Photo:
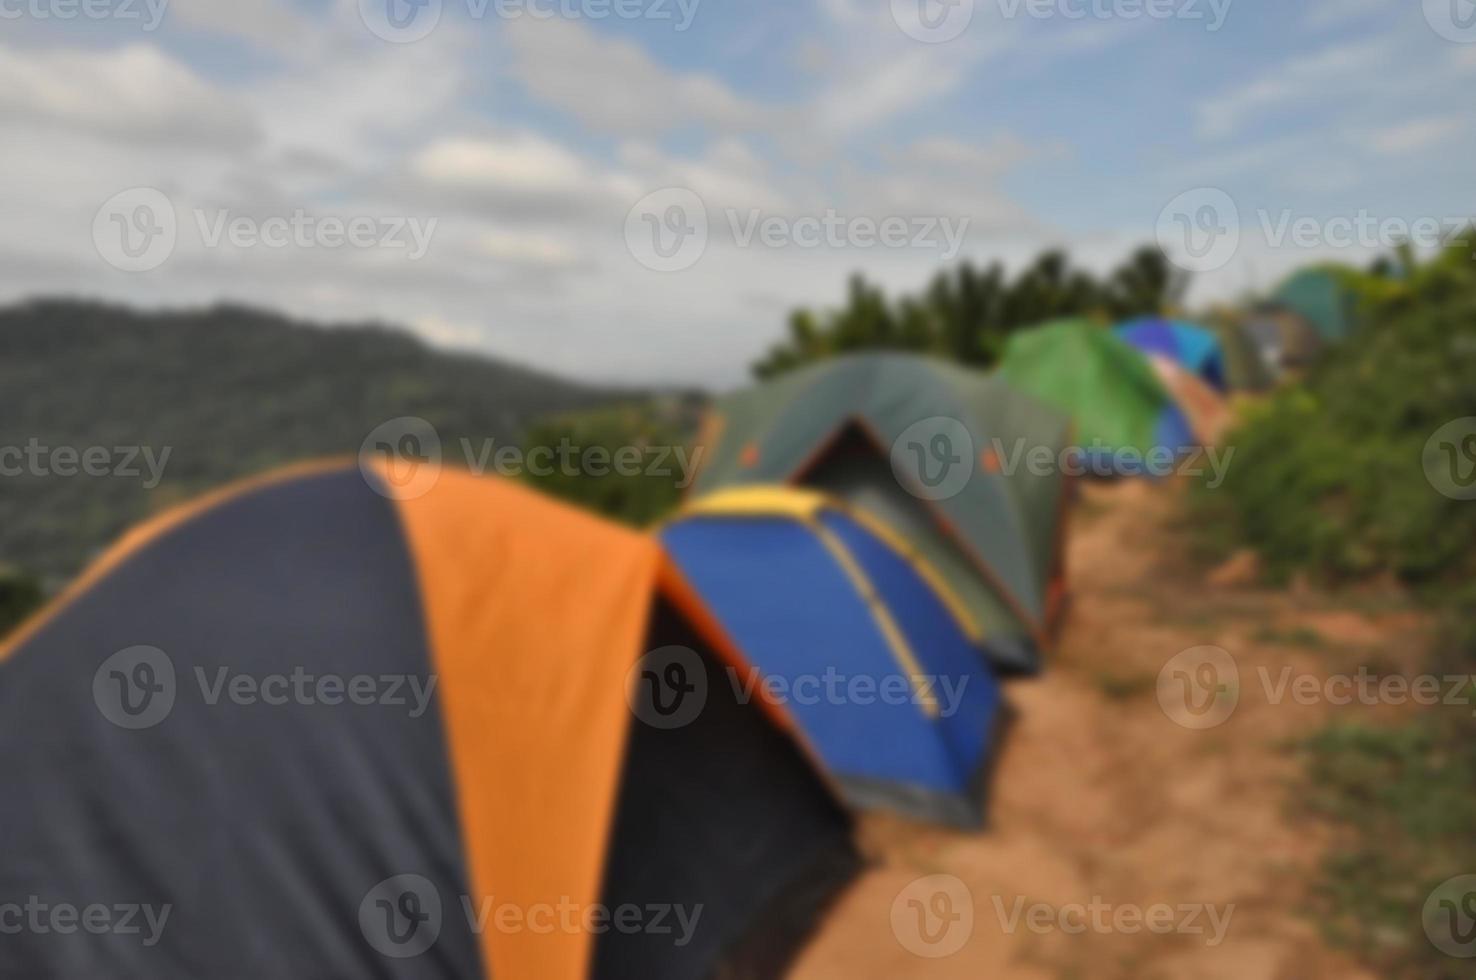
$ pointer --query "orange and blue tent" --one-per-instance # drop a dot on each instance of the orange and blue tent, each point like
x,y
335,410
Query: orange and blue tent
x,y
857,635
334,723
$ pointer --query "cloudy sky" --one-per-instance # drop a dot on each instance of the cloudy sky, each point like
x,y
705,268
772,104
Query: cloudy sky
x,y
639,190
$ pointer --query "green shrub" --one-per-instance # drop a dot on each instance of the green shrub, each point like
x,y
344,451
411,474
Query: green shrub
x,y
577,457
20,595
1329,480
1328,476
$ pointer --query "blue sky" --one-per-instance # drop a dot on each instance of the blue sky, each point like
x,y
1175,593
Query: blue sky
x,y
530,149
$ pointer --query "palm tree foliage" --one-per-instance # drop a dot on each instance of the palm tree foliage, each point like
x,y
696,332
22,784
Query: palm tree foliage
x,y
965,314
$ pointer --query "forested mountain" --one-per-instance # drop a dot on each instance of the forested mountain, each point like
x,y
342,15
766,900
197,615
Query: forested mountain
x,y
226,391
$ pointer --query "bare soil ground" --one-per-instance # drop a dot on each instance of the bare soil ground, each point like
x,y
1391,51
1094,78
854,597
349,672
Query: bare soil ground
x,y
1100,796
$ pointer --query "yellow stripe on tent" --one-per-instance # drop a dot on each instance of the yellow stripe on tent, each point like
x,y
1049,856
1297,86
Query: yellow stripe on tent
x,y
764,500
769,500
924,568
900,648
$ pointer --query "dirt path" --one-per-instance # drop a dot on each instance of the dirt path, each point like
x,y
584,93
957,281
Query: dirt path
x,y
1100,796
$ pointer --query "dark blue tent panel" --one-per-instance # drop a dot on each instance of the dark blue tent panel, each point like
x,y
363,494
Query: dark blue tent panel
x,y
805,601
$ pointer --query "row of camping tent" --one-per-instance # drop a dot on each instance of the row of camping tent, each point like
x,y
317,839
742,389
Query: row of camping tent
x,y
1311,311
320,724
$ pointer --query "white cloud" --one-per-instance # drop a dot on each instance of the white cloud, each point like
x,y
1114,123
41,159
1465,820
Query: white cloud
x,y
529,248
134,94
873,72
521,179
1418,134
269,24
1330,13
979,161
1342,71
612,85
727,175
447,333
359,104
524,163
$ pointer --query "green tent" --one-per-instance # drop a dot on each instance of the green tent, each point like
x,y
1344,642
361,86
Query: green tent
x,y
1122,410
1319,297
962,467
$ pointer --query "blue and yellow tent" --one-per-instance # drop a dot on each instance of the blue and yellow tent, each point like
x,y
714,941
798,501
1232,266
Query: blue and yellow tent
x,y
1192,348
863,642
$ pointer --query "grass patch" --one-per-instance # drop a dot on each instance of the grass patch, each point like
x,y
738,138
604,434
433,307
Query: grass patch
x,y
1403,800
1124,687
1297,636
